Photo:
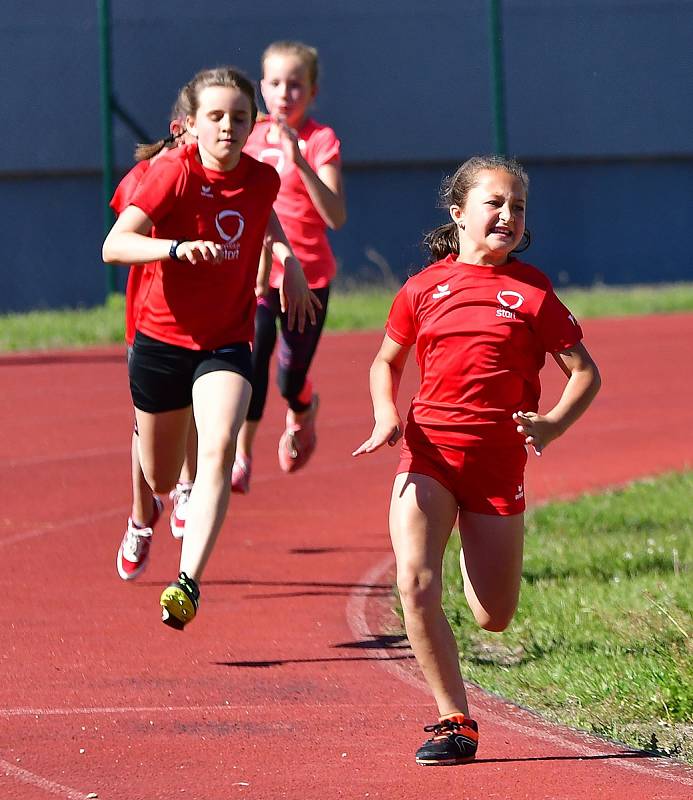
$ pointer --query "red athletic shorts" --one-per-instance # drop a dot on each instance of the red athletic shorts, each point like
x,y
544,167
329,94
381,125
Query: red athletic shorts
x,y
483,479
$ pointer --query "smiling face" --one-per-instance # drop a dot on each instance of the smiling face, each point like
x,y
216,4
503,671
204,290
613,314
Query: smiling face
x,y
492,220
287,88
221,125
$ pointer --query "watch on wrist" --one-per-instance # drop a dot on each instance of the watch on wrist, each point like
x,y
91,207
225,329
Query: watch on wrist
x,y
174,246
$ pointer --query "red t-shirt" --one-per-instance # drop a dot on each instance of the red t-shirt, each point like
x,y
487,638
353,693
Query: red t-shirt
x,y
304,227
121,200
205,305
481,336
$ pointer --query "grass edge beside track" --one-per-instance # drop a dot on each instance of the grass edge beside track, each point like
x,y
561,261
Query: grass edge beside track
x,y
350,310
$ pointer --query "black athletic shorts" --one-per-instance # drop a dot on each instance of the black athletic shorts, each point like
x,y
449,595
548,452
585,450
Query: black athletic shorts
x,y
162,375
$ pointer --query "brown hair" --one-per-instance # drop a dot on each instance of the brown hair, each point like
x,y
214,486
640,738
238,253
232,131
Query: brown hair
x,y
444,240
308,55
180,110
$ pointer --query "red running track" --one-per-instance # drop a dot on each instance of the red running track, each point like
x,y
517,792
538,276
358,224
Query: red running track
x,y
287,686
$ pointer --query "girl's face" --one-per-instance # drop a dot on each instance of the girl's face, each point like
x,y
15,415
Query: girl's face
x,y
286,88
492,221
221,126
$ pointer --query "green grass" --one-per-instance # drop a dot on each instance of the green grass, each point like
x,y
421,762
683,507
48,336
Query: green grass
x,y
603,636
353,309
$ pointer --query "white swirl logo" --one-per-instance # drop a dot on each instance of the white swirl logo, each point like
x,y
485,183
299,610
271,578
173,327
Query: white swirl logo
x,y
229,238
274,157
511,300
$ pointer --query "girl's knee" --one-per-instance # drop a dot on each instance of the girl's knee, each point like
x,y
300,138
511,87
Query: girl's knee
x,y
495,620
218,454
419,589
161,483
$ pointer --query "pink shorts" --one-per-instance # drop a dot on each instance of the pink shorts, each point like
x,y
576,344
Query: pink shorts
x,y
483,479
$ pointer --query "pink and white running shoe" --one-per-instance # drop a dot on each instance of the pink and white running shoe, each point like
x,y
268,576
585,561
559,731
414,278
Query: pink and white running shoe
x,y
298,441
133,552
180,496
240,474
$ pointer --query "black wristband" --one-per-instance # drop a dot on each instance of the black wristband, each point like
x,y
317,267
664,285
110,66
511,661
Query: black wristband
x,y
174,246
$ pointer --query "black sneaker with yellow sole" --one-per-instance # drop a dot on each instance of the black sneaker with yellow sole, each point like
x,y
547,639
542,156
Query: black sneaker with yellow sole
x,y
179,602
454,741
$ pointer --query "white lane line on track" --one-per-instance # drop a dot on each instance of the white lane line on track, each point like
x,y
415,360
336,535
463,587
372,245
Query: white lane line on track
x,y
23,775
51,527
7,713
76,455
355,612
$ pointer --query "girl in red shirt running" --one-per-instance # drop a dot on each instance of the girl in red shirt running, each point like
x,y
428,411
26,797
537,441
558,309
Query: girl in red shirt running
x,y
481,322
307,157
199,218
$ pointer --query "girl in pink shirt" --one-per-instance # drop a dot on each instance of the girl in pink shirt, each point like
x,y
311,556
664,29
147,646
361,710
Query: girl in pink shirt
x,y
306,155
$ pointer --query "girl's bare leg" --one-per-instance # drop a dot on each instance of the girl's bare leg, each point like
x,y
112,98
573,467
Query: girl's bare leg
x,y
161,445
220,403
189,469
246,437
422,514
491,562
142,496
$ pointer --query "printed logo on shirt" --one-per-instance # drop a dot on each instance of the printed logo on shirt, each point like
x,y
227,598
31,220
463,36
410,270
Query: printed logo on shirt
x,y
443,291
274,156
230,225
206,192
509,300
520,492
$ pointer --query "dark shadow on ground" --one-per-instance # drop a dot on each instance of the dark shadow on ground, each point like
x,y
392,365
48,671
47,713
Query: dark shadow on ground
x,y
602,757
378,641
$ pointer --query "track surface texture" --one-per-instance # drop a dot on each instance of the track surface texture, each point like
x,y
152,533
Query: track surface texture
x,y
290,684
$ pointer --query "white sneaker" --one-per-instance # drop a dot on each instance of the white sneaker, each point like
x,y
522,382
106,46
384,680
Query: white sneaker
x,y
133,552
180,496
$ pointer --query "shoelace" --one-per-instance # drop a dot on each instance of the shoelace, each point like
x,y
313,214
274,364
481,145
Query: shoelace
x,y
441,729
133,543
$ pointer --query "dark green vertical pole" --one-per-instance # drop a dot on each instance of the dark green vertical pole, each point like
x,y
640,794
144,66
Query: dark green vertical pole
x,y
104,11
495,29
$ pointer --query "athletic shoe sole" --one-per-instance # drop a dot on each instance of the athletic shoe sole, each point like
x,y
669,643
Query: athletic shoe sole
x,y
177,609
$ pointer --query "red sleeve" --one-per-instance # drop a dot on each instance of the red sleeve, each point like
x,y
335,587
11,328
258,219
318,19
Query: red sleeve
x,y
126,188
326,148
159,188
401,325
557,327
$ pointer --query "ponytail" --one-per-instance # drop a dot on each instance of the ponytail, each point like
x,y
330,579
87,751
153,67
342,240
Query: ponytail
x,y
144,152
443,241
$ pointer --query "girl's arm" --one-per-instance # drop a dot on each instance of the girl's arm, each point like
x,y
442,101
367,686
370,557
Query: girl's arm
x,y
385,375
263,273
295,297
129,242
583,384
324,186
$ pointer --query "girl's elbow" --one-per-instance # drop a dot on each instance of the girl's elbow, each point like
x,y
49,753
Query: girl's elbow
x,y
107,253
338,219
596,380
